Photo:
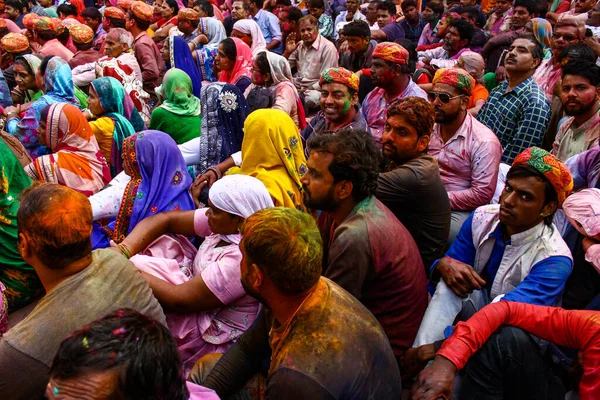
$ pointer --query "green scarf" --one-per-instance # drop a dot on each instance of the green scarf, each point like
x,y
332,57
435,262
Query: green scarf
x,y
177,91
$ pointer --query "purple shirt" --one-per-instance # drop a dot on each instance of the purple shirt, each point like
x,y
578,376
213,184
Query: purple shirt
x,y
469,163
375,106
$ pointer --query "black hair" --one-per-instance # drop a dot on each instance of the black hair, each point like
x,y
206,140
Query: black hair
x,y
408,3
294,14
586,69
286,3
316,4
67,9
257,3
92,12
44,64
83,46
141,24
465,29
229,49
578,51
413,56
472,12
64,38
141,349
263,63
530,5
435,6
526,171
387,6
116,22
355,159
357,28
207,7
538,50
17,5
173,4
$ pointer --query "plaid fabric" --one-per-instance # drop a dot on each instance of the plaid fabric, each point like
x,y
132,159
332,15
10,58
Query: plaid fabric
x,y
519,118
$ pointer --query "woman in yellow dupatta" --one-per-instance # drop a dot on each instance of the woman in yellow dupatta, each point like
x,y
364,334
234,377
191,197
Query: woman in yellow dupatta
x,y
271,152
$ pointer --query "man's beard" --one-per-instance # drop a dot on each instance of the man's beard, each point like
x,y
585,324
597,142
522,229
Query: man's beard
x,y
582,109
326,204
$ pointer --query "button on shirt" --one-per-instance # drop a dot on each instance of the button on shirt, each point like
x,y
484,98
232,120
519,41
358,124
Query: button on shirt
x,y
374,107
269,26
468,162
311,61
519,117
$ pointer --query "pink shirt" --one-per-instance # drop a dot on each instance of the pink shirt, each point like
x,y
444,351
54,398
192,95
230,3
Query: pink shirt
x,y
55,48
469,163
374,107
547,75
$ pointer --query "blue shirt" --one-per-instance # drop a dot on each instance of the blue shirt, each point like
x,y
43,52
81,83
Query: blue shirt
x,y
269,26
413,33
519,118
543,284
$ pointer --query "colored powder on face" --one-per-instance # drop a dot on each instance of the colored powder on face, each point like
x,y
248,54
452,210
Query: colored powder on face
x,y
347,105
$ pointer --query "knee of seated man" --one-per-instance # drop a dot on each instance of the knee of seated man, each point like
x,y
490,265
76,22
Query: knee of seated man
x,y
203,366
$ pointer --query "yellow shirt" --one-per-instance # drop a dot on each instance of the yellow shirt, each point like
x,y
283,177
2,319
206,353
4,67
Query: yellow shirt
x,y
103,129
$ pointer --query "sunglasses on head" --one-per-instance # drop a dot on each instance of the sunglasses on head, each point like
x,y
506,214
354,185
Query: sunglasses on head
x,y
444,97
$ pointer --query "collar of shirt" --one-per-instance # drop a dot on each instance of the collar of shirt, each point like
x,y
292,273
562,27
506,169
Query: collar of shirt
x,y
316,44
258,15
519,88
463,130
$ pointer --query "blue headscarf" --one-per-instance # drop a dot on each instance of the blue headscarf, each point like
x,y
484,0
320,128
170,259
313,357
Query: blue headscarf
x,y
181,57
159,183
224,111
112,98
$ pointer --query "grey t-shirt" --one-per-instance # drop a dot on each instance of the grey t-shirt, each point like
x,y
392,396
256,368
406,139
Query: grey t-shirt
x,y
110,282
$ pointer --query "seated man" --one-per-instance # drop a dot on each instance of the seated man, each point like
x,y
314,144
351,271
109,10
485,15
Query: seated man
x,y
316,8
413,23
411,186
304,315
580,96
147,366
508,364
367,250
388,29
391,74
187,23
268,24
351,14
479,38
456,42
83,39
45,33
312,56
55,227
510,251
93,18
360,46
517,110
339,105
466,150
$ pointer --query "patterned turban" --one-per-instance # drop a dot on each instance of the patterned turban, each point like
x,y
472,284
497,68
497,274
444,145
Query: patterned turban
x,y
456,77
551,167
114,12
142,10
340,75
59,26
82,34
124,4
188,14
391,52
15,43
44,24
29,21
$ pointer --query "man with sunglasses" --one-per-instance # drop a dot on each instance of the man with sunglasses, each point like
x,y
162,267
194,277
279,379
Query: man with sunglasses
x,y
468,153
567,32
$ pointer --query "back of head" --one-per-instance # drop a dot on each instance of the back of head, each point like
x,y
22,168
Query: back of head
x,y
58,221
579,51
355,159
140,350
286,245
294,14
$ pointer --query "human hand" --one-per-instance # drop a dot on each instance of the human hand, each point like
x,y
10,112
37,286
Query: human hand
x,y
436,381
501,74
343,47
202,181
415,359
290,43
587,243
461,278
99,71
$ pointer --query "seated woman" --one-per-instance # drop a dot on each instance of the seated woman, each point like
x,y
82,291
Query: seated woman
x,y
58,88
209,308
234,60
473,63
249,32
159,182
168,12
274,157
179,113
272,71
20,279
116,119
76,160
176,54
26,91
204,47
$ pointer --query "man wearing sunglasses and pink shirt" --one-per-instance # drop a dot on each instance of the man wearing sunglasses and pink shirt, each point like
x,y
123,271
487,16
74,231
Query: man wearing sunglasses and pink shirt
x,y
468,153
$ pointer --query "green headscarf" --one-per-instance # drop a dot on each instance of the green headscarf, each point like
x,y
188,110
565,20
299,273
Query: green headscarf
x,y
21,281
177,91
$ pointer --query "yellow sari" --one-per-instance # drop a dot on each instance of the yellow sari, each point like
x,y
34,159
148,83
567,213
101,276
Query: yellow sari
x,y
272,152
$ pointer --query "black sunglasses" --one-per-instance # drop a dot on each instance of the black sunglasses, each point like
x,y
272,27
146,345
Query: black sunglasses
x,y
444,97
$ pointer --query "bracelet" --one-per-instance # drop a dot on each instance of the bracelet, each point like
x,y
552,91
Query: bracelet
x,y
216,170
125,250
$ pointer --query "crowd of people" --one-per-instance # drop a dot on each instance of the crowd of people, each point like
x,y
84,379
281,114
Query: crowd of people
x,y
238,199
